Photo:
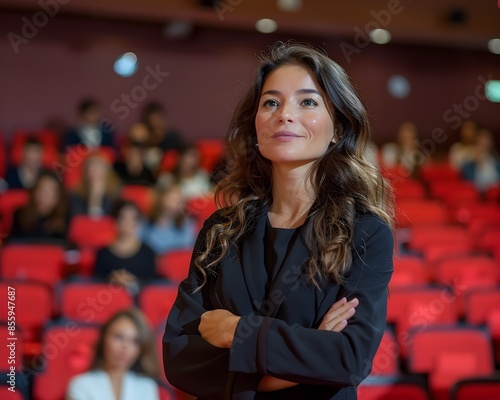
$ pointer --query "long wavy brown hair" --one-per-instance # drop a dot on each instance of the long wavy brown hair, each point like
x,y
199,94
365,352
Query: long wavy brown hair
x,y
345,184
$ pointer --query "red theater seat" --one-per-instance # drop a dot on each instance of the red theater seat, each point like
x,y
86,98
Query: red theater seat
x,y
468,272
210,151
49,142
476,389
386,361
68,351
439,172
479,303
409,271
85,231
11,200
408,189
417,307
39,262
448,355
155,301
92,302
174,265
421,212
201,208
140,195
33,308
391,389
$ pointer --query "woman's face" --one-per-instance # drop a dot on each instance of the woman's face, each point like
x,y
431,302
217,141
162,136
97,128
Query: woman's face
x,y
97,170
171,202
127,221
46,195
189,161
293,121
121,345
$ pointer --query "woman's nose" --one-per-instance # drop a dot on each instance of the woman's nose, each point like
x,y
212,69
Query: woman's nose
x,y
286,113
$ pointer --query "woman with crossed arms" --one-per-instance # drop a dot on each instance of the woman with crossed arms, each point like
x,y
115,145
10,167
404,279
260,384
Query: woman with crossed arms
x,y
287,291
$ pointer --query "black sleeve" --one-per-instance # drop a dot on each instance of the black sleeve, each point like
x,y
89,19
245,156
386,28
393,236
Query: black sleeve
x,y
270,346
191,363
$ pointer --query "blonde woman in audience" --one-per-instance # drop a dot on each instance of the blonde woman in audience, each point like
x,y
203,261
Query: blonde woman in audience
x,y
98,190
125,364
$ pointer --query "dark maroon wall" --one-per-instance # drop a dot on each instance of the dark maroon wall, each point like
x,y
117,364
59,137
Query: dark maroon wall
x,y
71,58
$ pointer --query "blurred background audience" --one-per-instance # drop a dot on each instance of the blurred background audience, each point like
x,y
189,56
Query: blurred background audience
x,y
125,365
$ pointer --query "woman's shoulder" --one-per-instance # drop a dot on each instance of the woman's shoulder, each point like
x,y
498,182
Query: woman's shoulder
x,y
368,224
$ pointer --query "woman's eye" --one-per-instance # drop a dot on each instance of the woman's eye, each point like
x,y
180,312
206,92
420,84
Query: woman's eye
x,y
271,103
309,103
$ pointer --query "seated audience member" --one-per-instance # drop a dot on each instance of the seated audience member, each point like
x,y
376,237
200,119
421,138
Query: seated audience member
x,y
463,151
405,151
484,169
125,364
127,261
193,180
24,175
163,137
170,227
46,214
132,170
90,130
98,189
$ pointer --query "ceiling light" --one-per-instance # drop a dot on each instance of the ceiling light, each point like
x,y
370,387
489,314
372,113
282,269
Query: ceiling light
x,y
380,36
266,25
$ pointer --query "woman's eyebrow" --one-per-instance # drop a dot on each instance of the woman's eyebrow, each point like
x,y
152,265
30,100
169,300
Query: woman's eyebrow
x,y
300,91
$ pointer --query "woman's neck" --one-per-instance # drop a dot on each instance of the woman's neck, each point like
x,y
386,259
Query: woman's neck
x,y
293,195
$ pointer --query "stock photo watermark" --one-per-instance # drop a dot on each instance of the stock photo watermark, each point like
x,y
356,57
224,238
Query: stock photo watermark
x,y
381,19
31,26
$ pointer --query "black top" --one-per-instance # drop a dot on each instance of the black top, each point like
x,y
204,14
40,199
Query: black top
x,y
276,241
144,178
141,264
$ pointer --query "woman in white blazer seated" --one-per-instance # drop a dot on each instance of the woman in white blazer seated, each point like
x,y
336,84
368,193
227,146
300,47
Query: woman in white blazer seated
x,y
125,364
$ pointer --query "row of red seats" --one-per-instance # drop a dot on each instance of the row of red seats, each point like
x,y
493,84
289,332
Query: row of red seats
x,y
210,151
10,200
86,302
47,263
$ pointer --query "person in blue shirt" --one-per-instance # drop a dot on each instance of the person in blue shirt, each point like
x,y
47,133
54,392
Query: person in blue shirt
x,y
170,226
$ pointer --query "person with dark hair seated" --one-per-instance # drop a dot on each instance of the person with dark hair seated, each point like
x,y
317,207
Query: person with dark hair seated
x,y
127,260
125,364
132,170
163,136
46,214
24,175
90,131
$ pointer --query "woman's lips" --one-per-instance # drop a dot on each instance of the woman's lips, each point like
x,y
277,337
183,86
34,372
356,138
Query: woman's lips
x,y
285,136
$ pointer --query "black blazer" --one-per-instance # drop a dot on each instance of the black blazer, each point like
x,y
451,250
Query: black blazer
x,y
279,336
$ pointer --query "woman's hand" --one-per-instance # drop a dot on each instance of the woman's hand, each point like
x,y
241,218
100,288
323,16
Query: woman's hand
x,y
122,277
336,317
218,327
